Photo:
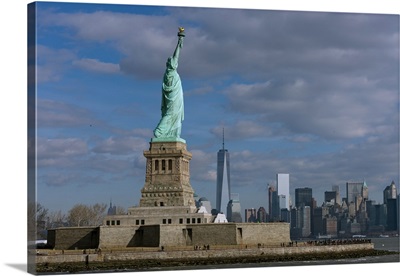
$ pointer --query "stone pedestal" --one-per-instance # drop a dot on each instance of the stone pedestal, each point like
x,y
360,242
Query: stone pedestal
x,y
167,175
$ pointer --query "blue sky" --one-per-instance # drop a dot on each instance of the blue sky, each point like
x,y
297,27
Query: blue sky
x,y
312,94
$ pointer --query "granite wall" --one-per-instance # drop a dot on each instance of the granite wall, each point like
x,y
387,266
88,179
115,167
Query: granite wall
x,y
268,234
73,238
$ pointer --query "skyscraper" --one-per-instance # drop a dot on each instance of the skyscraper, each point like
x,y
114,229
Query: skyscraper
x,y
250,215
300,221
274,214
305,204
303,197
357,192
112,210
337,190
364,194
398,209
390,192
318,217
271,189
305,215
330,196
392,217
390,199
282,201
223,179
282,180
353,189
261,214
285,215
234,212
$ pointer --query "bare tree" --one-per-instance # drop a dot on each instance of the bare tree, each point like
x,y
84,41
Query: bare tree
x,y
120,210
31,216
37,218
57,219
97,213
84,215
79,215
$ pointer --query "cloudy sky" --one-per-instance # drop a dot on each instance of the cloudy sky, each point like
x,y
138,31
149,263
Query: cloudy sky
x,y
312,94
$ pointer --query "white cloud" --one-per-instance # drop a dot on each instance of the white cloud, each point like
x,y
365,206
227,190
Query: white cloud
x,y
63,147
361,110
57,179
70,161
255,45
297,77
120,146
242,129
52,113
143,40
203,165
51,63
95,65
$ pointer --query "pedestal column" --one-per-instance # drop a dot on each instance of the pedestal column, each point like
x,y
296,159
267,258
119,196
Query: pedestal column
x,y
167,176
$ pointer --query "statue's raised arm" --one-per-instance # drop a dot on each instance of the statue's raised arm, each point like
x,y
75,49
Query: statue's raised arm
x,y
175,57
181,35
172,107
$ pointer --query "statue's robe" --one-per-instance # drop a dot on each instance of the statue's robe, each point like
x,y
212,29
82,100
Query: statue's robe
x,y
172,107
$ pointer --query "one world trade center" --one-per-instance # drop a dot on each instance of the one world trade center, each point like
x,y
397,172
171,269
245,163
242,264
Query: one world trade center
x,y
223,179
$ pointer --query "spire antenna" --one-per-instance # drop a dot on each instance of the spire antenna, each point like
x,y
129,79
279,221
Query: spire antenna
x,y
223,138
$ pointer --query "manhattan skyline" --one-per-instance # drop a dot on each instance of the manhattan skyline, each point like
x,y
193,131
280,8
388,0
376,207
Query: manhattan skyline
x,y
311,94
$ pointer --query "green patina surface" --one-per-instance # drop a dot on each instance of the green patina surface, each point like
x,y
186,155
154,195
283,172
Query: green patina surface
x,y
168,139
172,106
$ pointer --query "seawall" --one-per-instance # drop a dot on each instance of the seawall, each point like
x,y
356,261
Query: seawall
x,y
83,256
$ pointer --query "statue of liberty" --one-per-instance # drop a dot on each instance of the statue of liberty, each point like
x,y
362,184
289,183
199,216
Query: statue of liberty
x,y
172,107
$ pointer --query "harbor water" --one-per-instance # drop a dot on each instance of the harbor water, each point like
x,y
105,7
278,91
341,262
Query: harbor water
x,y
390,243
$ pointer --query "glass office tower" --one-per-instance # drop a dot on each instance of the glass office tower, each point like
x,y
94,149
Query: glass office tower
x,y
223,180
